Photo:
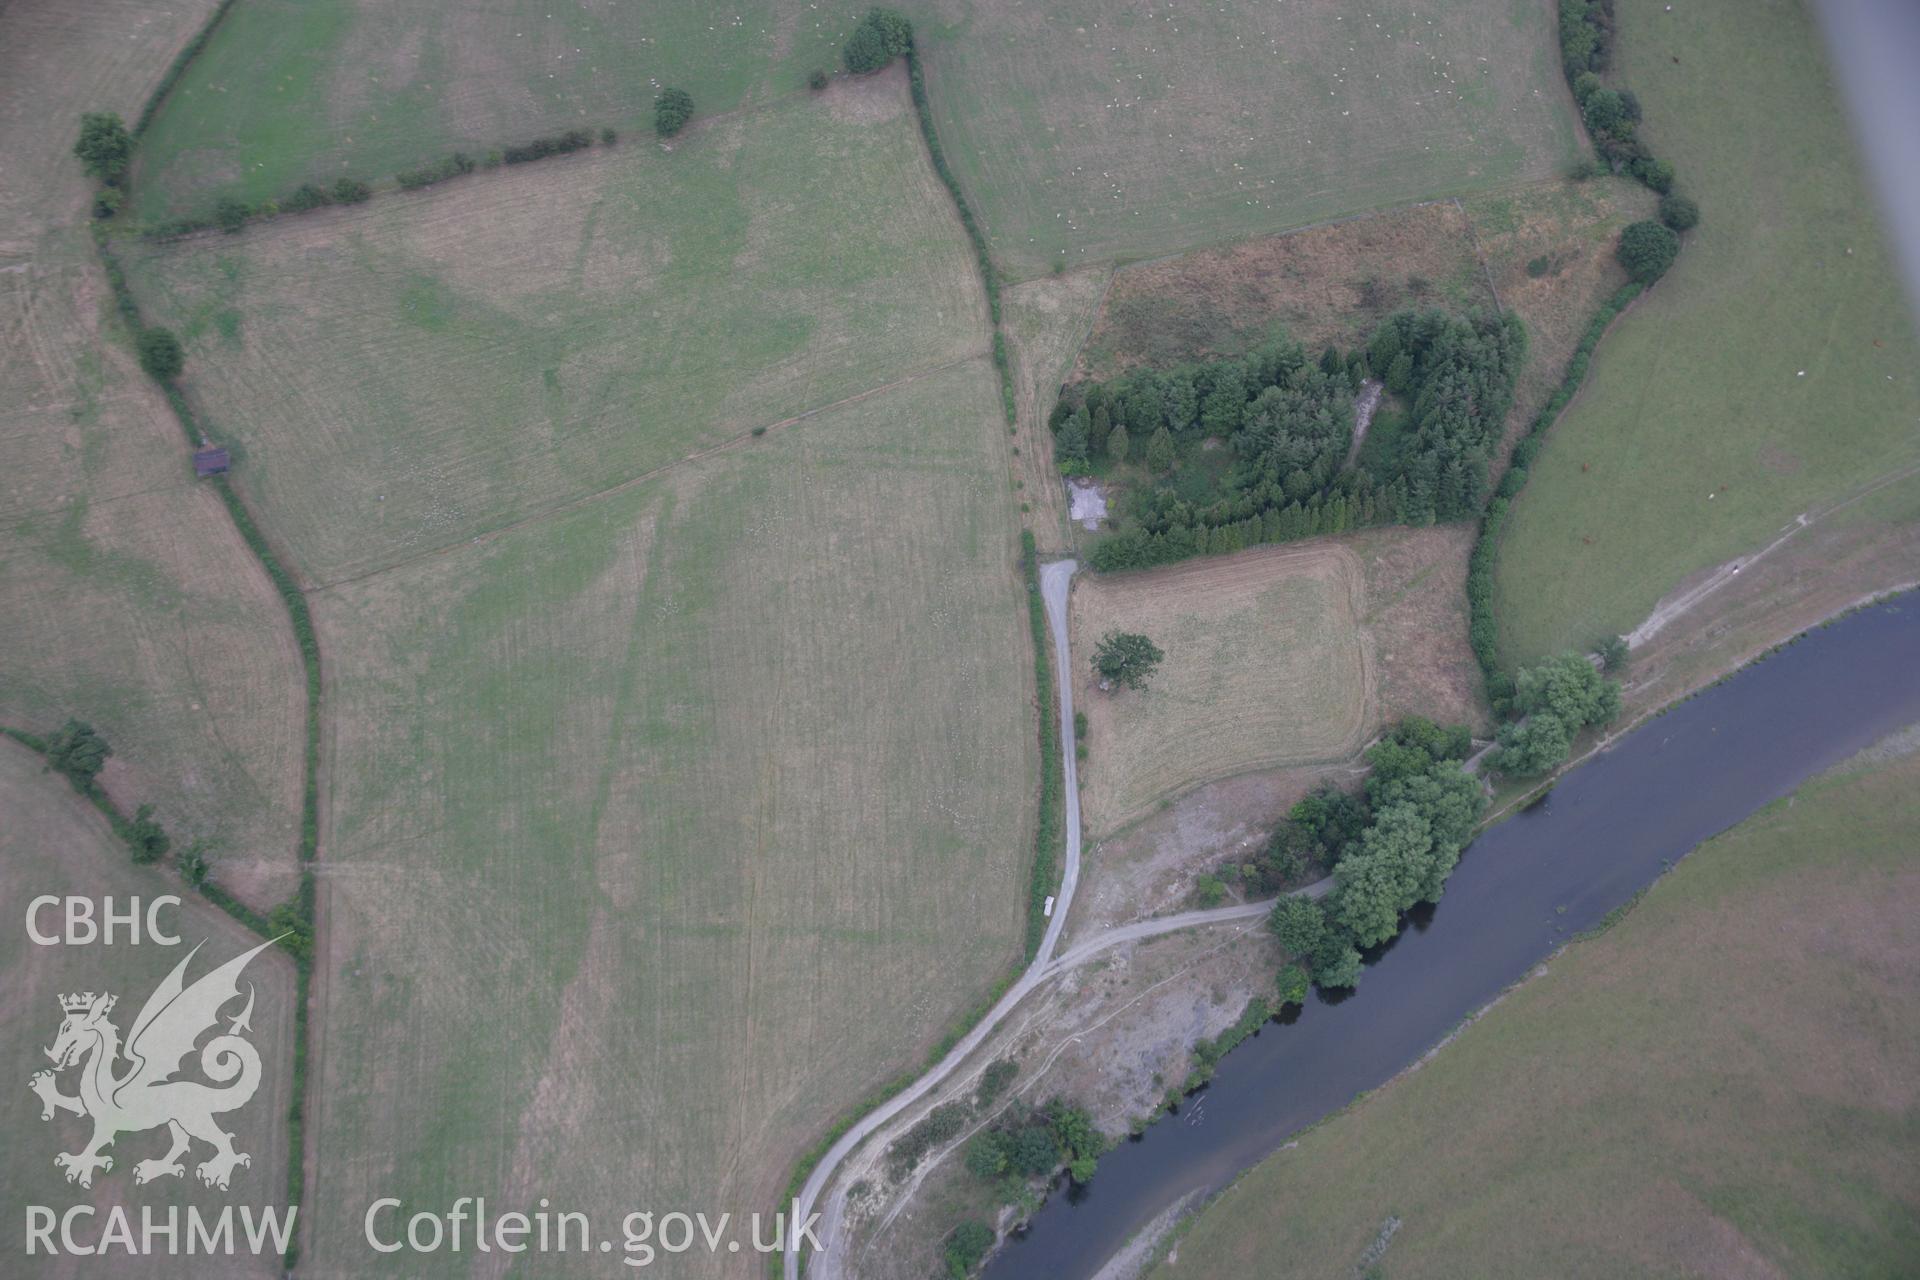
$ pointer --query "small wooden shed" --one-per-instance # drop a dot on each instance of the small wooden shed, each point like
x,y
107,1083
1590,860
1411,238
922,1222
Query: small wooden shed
x,y
211,461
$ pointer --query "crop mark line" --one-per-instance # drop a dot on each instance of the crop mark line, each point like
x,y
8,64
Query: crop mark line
x,y
585,499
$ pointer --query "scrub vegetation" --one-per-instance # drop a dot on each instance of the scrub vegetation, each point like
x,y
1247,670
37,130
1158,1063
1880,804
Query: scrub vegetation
x,y
1390,847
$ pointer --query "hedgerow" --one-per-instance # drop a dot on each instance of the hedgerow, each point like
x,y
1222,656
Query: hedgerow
x,y
540,148
439,171
1046,837
1646,249
299,910
989,280
1612,115
1483,629
187,54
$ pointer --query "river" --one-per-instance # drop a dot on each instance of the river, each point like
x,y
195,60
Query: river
x,y
1522,889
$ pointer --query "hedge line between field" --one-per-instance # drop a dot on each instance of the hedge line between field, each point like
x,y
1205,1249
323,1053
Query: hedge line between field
x,y
295,917
231,214
989,280
257,924
1483,630
1586,48
1046,838
178,68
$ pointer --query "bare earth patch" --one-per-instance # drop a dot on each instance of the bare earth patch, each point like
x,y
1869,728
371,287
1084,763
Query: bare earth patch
x,y
1839,558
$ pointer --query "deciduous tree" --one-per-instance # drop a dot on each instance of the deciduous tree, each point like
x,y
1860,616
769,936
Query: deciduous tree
x,y
879,38
160,353
105,147
79,752
1646,250
1126,658
672,108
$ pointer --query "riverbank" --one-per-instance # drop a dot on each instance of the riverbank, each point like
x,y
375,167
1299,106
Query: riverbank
x,y
1724,1078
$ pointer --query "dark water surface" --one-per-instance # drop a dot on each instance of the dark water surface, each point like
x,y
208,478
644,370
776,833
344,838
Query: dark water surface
x,y
1521,890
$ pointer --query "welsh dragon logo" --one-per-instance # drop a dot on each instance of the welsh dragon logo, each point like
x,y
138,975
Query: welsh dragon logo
x,y
145,1095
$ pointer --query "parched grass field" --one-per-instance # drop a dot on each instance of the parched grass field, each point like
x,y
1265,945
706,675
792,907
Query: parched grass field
x,y
664,829
1722,1084
130,600
658,517
1330,284
1543,251
1086,132
294,90
1265,665
402,376
1772,371
54,842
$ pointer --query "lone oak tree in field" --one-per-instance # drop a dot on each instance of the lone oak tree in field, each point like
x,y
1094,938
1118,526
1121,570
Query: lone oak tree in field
x,y
1126,658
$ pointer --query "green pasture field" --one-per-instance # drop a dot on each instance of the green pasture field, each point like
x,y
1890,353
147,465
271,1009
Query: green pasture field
x,y
53,842
664,829
1774,370
1085,132
289,91
1720,1083
130,601
404,375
